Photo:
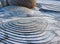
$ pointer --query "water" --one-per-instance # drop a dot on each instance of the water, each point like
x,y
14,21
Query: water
x,y
49,12
52,13
56,14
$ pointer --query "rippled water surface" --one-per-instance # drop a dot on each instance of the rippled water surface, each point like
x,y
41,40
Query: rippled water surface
x,y
52,13
56,15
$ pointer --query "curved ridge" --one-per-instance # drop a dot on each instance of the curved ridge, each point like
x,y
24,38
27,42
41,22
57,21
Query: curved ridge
x,y
25,32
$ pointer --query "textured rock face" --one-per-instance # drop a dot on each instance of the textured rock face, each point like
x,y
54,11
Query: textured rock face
x,y
24,3
4,2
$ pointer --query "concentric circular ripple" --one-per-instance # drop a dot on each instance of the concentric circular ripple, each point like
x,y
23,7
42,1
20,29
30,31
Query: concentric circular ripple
x,y
25,31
